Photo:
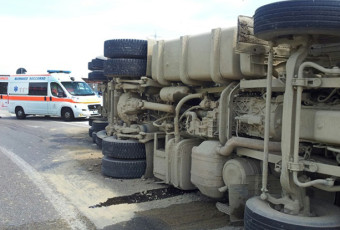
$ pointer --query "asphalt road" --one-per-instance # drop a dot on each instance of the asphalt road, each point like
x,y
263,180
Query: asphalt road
x,y
50,178
27,199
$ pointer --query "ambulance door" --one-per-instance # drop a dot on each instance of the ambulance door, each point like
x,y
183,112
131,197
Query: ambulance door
x,y
37,103
3,92
56,99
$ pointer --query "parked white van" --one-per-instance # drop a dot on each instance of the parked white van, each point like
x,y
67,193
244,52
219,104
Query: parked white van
x,y
56,93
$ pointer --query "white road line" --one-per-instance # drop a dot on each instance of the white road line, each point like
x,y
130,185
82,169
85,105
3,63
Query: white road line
x,y
61,205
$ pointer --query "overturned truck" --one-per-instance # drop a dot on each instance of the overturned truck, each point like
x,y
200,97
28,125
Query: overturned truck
x,y
250,112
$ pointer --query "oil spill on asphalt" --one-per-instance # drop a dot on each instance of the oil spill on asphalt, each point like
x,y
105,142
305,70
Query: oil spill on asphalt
x,y
140,197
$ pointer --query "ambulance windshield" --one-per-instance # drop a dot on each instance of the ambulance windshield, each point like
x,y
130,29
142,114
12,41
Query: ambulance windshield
x,y
78,88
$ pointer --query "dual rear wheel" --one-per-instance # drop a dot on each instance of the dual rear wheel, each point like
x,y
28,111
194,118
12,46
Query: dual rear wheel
x,y
123,158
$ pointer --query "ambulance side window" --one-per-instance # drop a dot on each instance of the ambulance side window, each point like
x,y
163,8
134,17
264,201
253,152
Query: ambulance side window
x,y
56,90
3,87
37,89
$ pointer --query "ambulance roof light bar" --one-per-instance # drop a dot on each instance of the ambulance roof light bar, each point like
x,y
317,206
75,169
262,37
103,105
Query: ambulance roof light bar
x,y
58,71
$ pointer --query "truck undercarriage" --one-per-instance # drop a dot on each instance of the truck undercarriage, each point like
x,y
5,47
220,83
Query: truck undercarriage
x,y
249,112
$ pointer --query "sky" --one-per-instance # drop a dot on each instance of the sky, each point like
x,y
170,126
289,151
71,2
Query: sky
x,y
66,34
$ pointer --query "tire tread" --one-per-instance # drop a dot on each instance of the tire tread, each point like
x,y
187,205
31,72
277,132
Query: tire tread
x,y
124,169
123,149
297,17
125,48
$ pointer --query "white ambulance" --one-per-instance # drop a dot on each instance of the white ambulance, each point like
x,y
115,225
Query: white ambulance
x,y
3,92
56,94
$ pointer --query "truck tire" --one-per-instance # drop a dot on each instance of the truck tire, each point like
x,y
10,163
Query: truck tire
x,y
125,48
96,64
20,113
99,125
67,114
259,215
94,136
123,149
91,119
125,169
124,67
97,75
297,17
100,136
90,131
95,118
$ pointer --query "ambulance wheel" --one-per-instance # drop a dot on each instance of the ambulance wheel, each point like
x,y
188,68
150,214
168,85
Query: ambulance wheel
x,y
125,169
125,67
20,113
67,114
125,48
260,215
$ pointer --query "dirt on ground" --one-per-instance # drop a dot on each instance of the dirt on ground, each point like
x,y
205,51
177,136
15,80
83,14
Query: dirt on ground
x,y
126,204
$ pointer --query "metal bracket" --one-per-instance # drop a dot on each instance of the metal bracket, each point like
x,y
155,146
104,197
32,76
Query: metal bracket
x,y
307,82
295,166
310,166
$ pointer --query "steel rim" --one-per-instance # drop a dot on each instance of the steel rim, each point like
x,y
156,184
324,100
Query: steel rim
x,y
67,115
20,113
